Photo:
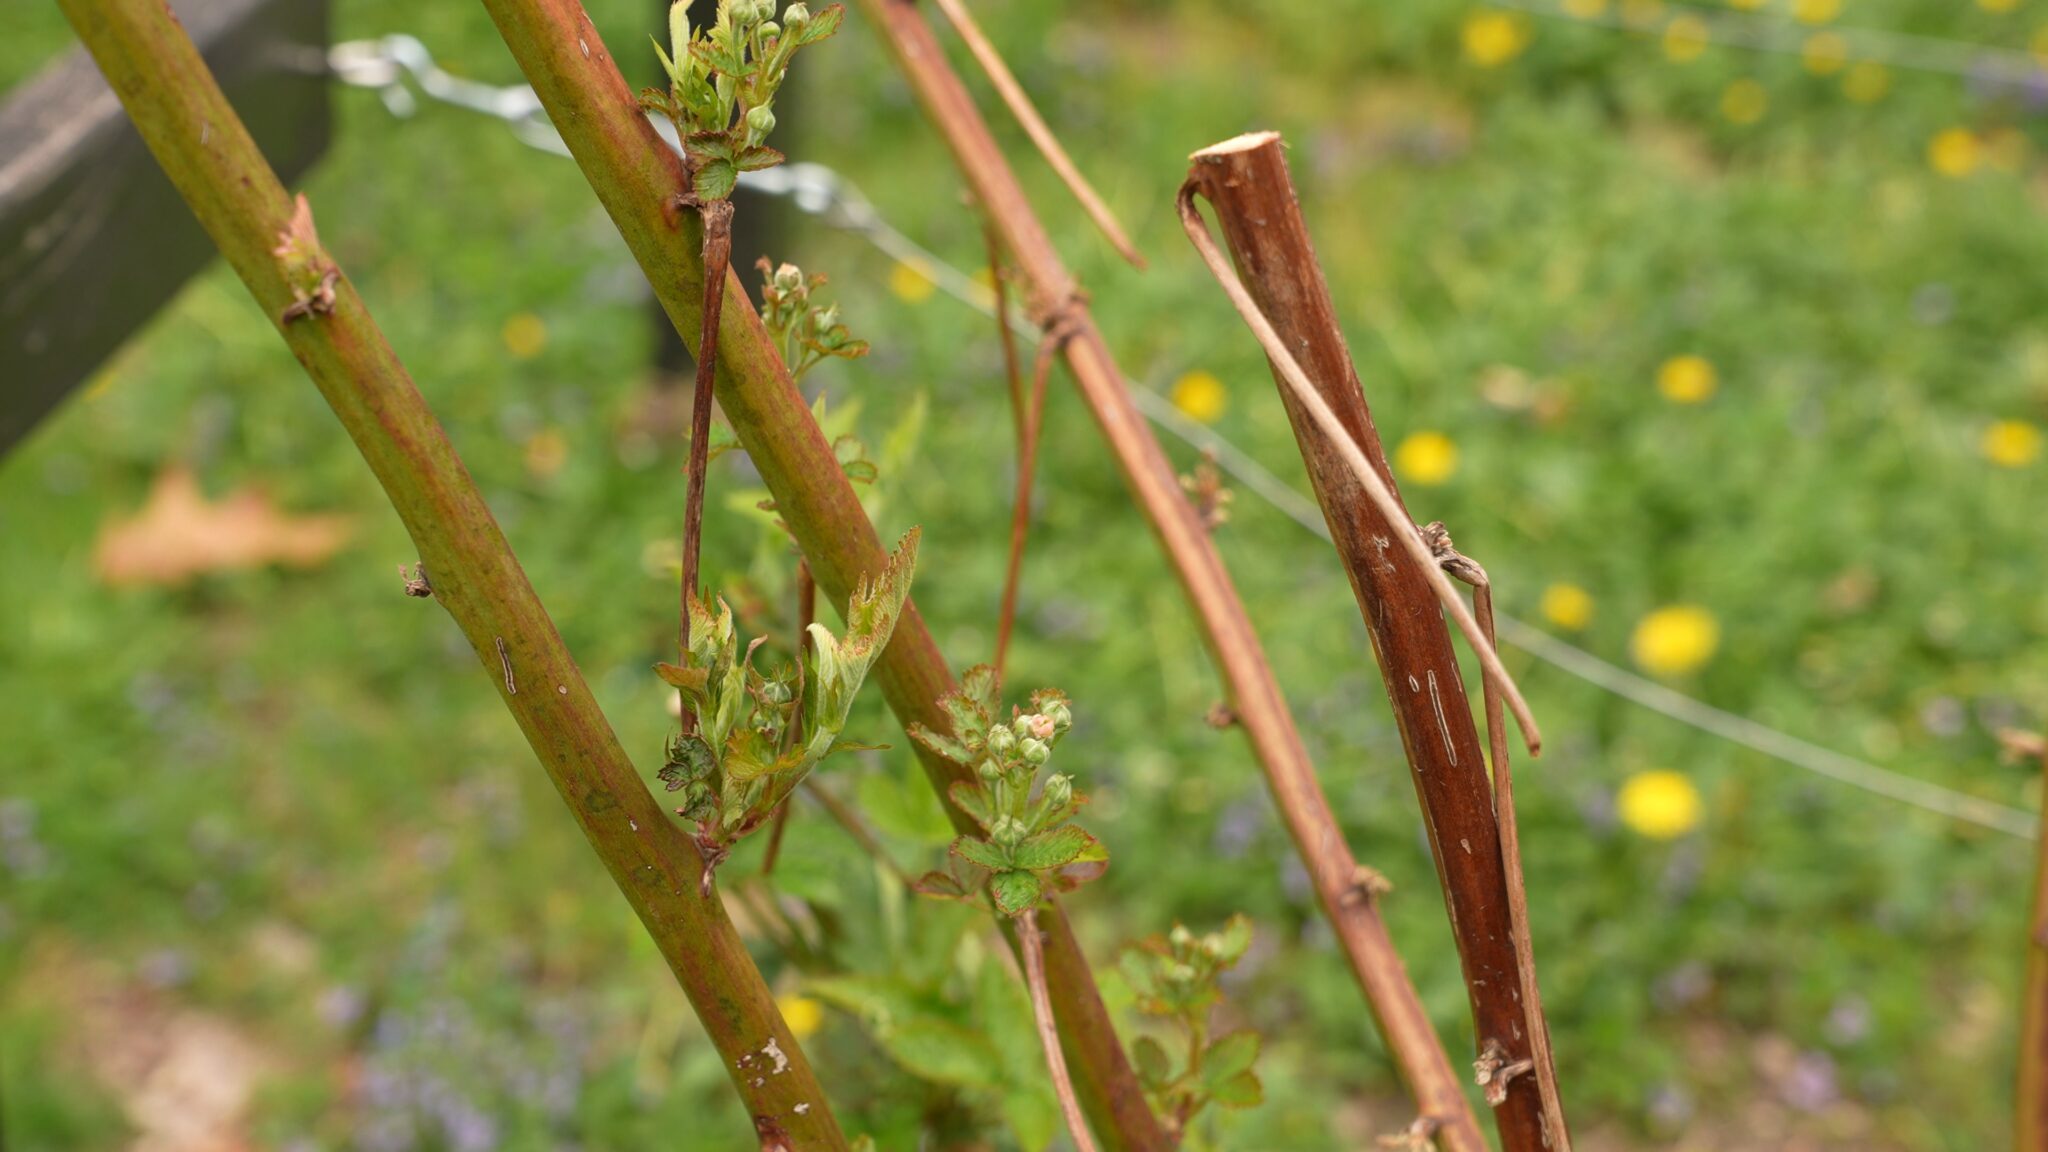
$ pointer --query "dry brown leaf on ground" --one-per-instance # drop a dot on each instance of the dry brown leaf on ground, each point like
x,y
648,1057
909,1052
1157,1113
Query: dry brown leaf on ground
x,y
179,534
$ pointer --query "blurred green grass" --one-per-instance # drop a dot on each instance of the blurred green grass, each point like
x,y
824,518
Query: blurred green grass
x,y
194,775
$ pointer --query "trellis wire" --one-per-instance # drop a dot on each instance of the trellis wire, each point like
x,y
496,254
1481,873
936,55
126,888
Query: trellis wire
x,y
397,65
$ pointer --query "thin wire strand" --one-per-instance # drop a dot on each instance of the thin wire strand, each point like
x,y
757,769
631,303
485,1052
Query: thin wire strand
x,y
822,192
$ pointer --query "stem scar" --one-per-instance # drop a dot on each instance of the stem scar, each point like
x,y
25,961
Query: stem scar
x,y
505,659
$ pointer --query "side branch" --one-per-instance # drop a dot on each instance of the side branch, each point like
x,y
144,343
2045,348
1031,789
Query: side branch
x,y
271,243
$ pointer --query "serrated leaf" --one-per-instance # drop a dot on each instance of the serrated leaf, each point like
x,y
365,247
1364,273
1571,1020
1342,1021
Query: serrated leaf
x,y
940,743
943,1053
983,685
1015,892
715,179
758,157
1154,1067
1229,1056
977,851
974,800
677,676
823,24
1240,1091
877,601
1053,848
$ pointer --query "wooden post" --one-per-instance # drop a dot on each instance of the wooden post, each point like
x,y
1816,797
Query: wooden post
x,y
1246,179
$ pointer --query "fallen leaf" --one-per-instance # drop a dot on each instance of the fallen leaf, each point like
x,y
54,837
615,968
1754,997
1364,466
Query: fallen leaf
x,y
179,534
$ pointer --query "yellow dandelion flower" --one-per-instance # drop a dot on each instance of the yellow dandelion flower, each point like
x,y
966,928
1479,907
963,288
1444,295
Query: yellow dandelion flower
x,y
1867,82
525,335
1685,38
1998,5
1426,458
1816,11
1494,38
1584,9
1675,640
1659,804
1744,102
1568,606
1824,53
2011,444
1687,379
1953,152
546,451
910,285
803,1015
1200,396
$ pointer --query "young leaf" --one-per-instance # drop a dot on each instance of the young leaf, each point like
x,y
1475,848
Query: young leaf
x,y
944,745
1154,1068
1054,848
1240,1091
1015,892
677,676
715,179
823,24
980,852
973,800
1229,1056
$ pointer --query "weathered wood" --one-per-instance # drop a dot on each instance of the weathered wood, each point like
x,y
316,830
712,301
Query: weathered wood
x,y
93,238
1247,181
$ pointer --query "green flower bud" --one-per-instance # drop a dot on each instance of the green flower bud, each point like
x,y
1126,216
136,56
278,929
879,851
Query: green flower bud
x,y
989,771
1059,790
789,278
1033,751
770,28
828,317
775,692
795,17
1056,710
1008,830
760,122
1180,937
1001,740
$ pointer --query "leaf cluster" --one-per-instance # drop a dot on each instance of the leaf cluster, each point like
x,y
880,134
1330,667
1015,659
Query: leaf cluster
x,y
1176,976
760,734
807,334
722,84
1027,847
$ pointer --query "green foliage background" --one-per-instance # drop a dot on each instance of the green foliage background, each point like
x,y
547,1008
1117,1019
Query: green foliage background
x,y
193,775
